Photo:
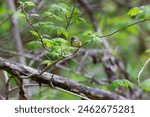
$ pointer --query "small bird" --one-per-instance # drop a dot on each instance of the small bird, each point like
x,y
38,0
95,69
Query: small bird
x,y
75,42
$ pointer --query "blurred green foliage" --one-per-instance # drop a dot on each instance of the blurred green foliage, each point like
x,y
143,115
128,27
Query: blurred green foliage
x,y
52,20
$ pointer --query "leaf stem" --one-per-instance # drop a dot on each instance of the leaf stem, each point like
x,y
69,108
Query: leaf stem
x,y
68,23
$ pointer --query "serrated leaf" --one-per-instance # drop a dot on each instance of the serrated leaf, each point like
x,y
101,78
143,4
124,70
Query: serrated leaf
x,y
145,85
34,33
48,43
62,31
55,30
79,20
33,45
116,84
30,4
121,83
58,10
52,15
76,12
60,41
133,12
140,12
55,42
127,84
92,37
54,55
64,5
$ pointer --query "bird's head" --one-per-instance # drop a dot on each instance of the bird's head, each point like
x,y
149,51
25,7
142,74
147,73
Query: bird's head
x,y
73,38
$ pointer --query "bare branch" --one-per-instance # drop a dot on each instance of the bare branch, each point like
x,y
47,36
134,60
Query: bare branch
x,y
58,81
6,78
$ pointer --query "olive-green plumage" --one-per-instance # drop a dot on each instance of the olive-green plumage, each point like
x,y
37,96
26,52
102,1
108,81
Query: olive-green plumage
x,y
75,42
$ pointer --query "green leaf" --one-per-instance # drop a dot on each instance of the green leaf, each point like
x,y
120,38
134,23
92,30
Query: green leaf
x,y
79,20
64,5
92,37
145,85
21,3
21,15
55,42
44,24
30,4
60,41
34,45
34,33
48,43
121,83
58,10
144,12
140,12
54,55
58,30
47,62
76,12
127,84
52,15
62,50
54,31
62,31
133,12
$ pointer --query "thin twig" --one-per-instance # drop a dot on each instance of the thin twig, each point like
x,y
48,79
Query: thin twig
x,y
3,21
8,88
19,82
57,88
124,28
81,64
10,52
100,82
46,68
7,85
68,23
7,18
29,22
139,74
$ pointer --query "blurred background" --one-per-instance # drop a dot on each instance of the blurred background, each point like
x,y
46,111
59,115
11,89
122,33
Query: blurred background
x,y
125,51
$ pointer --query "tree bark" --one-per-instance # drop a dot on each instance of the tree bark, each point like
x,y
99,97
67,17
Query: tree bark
x,y
56,81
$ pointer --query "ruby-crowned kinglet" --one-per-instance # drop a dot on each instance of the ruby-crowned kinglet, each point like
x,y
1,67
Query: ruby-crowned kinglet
x,y
75,42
